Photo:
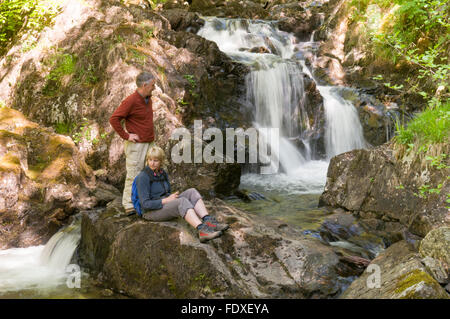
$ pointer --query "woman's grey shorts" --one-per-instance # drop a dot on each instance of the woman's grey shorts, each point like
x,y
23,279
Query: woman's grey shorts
x,y
178,207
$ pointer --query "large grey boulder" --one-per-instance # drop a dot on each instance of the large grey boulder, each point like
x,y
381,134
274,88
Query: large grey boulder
x,y
254,258
385,190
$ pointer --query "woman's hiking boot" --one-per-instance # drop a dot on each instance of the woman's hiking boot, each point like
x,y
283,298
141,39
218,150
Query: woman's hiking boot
x,y
212,222
206,233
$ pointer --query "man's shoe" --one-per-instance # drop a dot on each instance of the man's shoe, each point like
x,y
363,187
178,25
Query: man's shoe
x,y
206,233
212,222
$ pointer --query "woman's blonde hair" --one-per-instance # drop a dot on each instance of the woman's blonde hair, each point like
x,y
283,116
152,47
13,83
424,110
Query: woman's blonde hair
x,y
158,153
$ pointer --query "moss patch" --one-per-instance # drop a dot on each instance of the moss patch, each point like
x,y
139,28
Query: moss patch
x,y
411,279
9,162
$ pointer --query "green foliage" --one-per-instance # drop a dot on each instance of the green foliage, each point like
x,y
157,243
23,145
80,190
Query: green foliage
x,y
84,133
154,3
86,71
191,79
60,64
193,84
18,15
416,32
64,64
429,127
87,75
448,201
438,162
64,128
137,56
426,190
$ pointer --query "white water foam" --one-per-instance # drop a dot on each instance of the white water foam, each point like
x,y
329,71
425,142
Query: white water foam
x,y
39,267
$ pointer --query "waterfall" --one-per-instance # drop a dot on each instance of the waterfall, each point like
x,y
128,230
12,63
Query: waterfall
x,y
343,130
275,89
39,267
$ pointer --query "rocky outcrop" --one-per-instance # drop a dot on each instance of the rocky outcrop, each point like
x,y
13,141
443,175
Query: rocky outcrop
x,y
435,250
80,72
397,273
296,18
230,9
44,180
387,193
254,258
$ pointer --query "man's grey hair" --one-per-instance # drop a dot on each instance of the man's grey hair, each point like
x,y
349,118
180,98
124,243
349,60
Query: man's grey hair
x,y
143,78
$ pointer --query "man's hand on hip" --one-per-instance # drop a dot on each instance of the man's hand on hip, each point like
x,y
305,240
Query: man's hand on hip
x,y
133,138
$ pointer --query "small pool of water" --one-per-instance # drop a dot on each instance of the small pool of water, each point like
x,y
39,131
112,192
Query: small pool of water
x,y
299,210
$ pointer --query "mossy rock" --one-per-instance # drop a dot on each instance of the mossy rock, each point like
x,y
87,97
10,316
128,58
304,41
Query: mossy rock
x,y
401,276
417,284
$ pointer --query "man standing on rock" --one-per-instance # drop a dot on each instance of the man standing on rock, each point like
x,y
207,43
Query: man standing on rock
x,y
137,113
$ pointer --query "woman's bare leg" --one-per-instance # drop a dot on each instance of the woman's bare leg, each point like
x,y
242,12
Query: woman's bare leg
x,y
200,208
192,218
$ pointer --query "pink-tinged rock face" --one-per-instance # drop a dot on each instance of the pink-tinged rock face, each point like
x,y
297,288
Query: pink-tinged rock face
x,y
43,181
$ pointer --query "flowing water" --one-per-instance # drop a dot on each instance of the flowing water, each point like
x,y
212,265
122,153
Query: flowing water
x,y
275,89
46,271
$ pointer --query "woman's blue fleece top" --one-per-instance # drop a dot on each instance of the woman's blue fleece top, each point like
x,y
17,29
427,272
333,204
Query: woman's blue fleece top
x,y
152,188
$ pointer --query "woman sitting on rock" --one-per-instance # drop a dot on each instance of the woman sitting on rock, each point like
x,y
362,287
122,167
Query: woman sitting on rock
x,y
158,203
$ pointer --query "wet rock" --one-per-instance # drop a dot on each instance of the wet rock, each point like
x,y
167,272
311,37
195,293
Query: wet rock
x,y
259,50
254,258
352,265
105,193
231,9
401,276
182,20
343,230
301,25
380,182
247,196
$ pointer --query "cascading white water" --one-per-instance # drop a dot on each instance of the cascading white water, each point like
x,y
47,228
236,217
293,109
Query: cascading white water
x,y
343,130
39,267
275,88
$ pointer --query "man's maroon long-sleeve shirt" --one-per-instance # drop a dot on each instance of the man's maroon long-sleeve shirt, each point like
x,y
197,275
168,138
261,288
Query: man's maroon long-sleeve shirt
x,y
138,118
